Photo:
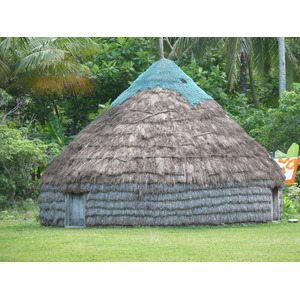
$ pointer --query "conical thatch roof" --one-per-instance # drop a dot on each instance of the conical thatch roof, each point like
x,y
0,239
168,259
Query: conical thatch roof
x,y
163,129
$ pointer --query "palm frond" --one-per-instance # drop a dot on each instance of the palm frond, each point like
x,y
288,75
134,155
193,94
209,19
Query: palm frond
x,y
232,56
265,56
40,43
196,46
60,68
292,66
4,72
58,84
13,47
78,46
292,63
246,46
40,60
259,55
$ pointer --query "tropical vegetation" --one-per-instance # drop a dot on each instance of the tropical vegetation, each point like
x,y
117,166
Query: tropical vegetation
x,y
51,88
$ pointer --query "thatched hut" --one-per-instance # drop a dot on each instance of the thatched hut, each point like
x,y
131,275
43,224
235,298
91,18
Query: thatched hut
x,y
165,153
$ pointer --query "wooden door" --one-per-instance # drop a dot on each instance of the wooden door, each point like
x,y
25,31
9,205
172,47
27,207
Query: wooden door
x,y
75,211
275,205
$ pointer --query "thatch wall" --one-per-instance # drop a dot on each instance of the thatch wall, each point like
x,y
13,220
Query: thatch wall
x,y
162,205
52,206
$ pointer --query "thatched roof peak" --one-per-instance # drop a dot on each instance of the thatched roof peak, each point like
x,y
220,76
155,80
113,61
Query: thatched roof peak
x,y
167,75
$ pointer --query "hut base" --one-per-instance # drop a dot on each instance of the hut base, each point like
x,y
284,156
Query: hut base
x,y
164,205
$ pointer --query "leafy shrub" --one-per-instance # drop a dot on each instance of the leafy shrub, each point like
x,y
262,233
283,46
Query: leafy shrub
x,y
292,193
26,205
6,215
291,201
274,128
26,210
20,160
288,207
119,62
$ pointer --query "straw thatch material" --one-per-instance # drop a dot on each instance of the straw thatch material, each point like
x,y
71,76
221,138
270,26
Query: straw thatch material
x,y
156,137
155,160
165,205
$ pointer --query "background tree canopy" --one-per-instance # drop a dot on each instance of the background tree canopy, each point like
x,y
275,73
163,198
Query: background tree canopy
x,y
51,88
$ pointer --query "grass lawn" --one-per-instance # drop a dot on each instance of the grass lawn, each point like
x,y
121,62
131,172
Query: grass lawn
x,y
28,241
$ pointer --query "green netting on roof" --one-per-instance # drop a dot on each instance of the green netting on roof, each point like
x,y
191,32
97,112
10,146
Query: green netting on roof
x,y
166,74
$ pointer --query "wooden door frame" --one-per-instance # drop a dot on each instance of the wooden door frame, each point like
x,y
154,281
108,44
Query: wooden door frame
x,y
275,204
68,197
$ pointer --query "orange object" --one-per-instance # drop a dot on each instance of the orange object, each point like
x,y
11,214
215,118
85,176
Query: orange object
x,y
283,160
291,164
289,168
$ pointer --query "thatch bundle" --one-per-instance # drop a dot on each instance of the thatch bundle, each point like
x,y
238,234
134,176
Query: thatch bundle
x,y
155,159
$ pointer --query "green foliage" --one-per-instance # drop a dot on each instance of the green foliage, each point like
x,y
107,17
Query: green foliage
x,y
274,128
45,65
27,204
102,108
55,133
291,201
55,114
25,210
261,52
119,62
209,73
210,78
293,151
5,98
83,73
279,154
74,112
55,130
20,160
291,194
288,207
5,215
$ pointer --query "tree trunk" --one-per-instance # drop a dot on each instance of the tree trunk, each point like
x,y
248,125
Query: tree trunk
x,y
74,126
243,74
161,47
282,68
255,103
173,52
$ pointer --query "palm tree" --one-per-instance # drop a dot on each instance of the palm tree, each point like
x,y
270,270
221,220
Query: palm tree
x,y
237,52
258,54
45,65
282,67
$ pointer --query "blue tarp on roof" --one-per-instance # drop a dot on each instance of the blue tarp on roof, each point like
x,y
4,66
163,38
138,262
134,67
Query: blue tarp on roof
x,y
166,74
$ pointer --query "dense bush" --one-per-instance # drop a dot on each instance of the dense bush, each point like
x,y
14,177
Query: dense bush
x,y
291,200
119,62
274,128
21,161
209,74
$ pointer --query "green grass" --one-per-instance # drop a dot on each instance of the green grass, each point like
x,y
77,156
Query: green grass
x,y
28,241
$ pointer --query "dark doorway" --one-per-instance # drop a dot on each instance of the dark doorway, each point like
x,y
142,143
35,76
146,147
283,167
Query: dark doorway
x,y
275,205
75,211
